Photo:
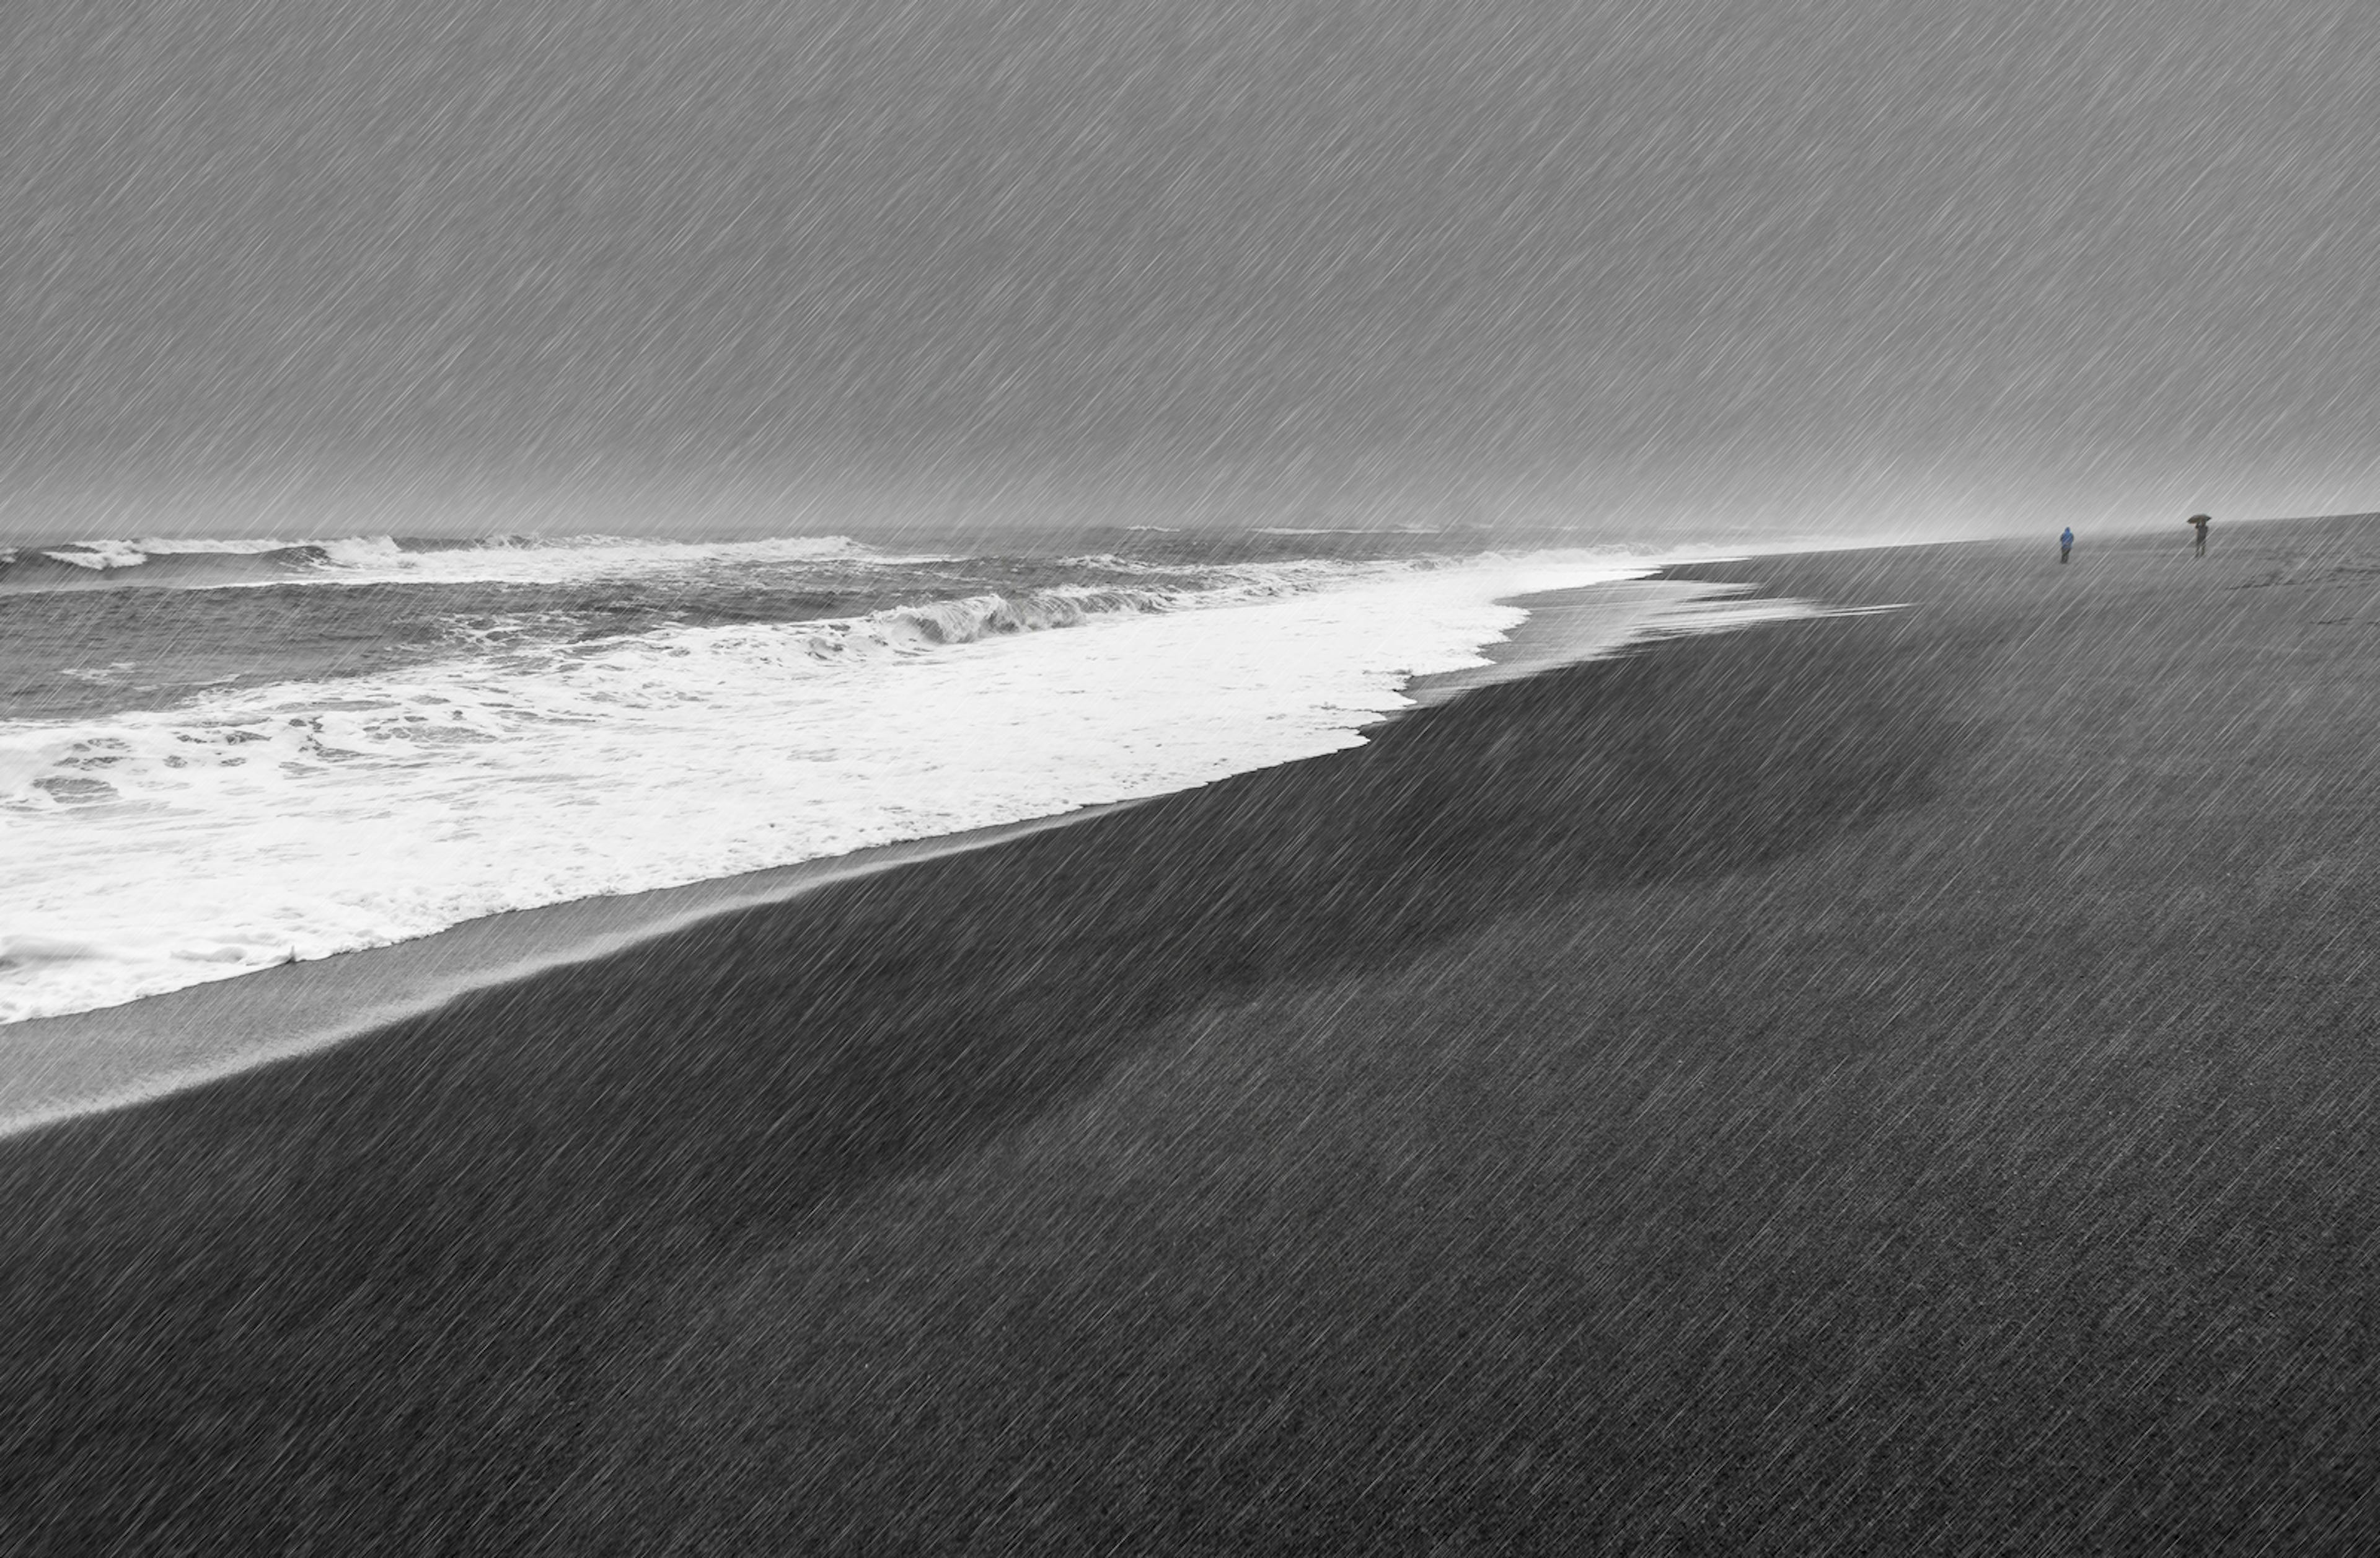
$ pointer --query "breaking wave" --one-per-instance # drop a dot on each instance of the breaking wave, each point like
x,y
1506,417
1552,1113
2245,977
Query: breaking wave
x,y
146,845
203,562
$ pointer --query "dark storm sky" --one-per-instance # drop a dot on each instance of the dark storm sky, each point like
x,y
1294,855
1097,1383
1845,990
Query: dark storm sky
x,y
450,263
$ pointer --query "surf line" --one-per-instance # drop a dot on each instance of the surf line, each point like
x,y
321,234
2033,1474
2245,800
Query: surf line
x,y
114,1057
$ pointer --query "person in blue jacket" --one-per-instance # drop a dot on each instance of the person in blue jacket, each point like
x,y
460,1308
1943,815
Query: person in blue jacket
x,y
2066,543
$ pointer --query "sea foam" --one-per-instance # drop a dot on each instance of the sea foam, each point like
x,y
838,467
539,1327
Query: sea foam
x,y
156,848
209,563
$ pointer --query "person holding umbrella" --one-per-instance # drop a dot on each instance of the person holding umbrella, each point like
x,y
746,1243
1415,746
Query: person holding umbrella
x,y
2199,522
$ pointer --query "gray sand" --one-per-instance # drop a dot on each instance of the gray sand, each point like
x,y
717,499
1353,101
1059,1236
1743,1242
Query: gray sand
x,y
57,1067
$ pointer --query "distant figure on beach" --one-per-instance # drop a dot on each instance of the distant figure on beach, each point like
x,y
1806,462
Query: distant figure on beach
x,y
2199,522
2066,543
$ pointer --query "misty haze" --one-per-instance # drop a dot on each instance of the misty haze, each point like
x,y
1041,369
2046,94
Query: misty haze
x,y
1075,776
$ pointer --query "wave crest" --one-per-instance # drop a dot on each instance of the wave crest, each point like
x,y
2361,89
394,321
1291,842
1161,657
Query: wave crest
x,y
200,562
974,618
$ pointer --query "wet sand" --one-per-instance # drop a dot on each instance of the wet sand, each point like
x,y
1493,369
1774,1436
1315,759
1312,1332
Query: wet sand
x,y
1892,1082
58,1067
54,1069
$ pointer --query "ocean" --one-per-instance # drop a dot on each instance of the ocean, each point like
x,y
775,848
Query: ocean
x,y
217,756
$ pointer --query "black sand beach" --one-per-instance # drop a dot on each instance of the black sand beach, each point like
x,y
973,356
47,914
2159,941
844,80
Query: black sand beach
x,y
57,1067
1894,1082
53,1069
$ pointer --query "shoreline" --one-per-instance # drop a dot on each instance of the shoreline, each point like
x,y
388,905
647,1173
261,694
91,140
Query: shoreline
x,y
1896,1080
82,1063
111,1057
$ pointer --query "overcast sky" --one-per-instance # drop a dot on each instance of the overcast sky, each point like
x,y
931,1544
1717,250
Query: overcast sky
x,y
454,264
